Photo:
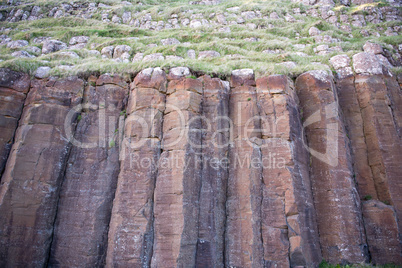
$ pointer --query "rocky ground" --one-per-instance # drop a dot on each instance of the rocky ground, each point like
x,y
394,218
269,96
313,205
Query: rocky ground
x,y
213,37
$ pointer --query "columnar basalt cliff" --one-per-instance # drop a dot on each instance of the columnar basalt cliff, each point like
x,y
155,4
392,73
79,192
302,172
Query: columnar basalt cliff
x,y
168,169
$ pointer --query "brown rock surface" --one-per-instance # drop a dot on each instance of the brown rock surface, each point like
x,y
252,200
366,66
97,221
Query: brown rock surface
x,y
207,173
215,146
13,89
244,195
178,181
31,181
85,204
289,230
131,226
336,202
378,100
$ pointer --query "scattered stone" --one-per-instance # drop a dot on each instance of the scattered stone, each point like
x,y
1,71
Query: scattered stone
x,y
33,49
288,64
17,44
366,63
170,41
208,54
221,19
274,16
179,72
50,46
79,39
172,57
107,52
373,48
153,57
116,19
290,18
69,55
248,15
94,53
195,24
42,72
384,61
138,57
22,54
191,54
313,31
121,50
126,17
340,61
225,30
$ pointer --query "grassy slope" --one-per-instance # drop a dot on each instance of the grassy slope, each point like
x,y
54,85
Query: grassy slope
x,y
282,36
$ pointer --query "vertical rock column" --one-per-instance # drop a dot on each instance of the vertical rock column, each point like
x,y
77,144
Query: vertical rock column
x,y
131,226
89,184
31,181
379,99
14,87
244,196
289,230
335,196
176,207
215,146
379,218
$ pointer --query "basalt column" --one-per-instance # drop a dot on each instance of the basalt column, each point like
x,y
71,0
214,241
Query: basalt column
x,y
215,145
378,99
336,200
289,230
89,184
244,196
13,90
131,226
31,181
176,198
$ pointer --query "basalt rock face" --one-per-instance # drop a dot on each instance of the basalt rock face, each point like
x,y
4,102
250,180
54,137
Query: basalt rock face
x,y
171,170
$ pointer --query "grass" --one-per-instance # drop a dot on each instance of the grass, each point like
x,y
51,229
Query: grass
x,y
271,35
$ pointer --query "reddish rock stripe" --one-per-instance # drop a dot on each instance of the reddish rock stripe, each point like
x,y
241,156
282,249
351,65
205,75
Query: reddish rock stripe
x,y
289,230
395,97
355,128
243,226
89,184
382,233
31,180
178,182
382,239
215,146
14,87
131,226
383,142
336,202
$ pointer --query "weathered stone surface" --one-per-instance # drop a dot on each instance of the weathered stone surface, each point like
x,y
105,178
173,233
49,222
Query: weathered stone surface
x,y
382,233
13,89
336,202
289,228
131,233
107,52
50,46
372,48
215,146
178,183
355,128
85,203
244,246
375,95
34,171
208,54
365,63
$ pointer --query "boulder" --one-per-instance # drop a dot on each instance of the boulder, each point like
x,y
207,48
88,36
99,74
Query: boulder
x,y
50,46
